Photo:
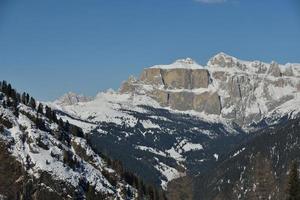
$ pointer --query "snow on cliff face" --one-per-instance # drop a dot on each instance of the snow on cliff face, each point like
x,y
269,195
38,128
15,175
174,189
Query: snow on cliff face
x,y
237,90
226,89
250,91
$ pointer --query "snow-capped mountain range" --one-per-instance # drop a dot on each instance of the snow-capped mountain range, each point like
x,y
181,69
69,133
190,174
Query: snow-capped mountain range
x,y
180,118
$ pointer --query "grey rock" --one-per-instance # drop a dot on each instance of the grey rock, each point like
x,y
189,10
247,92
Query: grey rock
x,y
274,69
152,76
207,102
181,100
199,78
177,78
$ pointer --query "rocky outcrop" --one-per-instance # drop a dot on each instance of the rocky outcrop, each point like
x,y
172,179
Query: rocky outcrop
x,y
174,88
204,102
274,69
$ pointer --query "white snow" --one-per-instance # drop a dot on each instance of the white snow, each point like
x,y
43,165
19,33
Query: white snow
x,y
43,160
149,149
168,172
216,156
108,107
188,146
174,154
187,63
147,124
238,152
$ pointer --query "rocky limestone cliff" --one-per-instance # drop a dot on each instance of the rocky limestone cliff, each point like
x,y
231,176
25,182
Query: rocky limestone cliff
x,y
176,86
241,91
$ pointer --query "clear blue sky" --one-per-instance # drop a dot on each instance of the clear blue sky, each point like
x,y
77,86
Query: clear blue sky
x,y
49,47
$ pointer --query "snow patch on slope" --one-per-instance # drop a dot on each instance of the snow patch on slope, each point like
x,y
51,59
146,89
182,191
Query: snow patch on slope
x,y
168,172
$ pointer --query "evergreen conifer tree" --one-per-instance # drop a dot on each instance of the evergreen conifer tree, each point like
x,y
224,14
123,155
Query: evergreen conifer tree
x,y
90,194
27,99
4,87
48,112
32,103
40,108
23,98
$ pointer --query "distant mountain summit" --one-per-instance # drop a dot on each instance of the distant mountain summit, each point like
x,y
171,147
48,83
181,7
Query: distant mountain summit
x,y
72,98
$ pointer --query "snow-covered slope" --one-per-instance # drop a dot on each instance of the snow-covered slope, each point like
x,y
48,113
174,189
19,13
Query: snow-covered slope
x,y
43,146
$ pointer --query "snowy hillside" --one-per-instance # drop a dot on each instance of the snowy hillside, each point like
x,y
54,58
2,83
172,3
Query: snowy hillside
x,y
47,148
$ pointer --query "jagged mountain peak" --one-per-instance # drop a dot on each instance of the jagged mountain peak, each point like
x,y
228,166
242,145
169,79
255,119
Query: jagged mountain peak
x,y
223,55
72,98
225,60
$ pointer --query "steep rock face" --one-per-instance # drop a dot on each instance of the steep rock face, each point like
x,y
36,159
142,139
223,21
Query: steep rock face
x,y
237,90
173,86
176,78
251,90
200,78
181,100
152,76
207,102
